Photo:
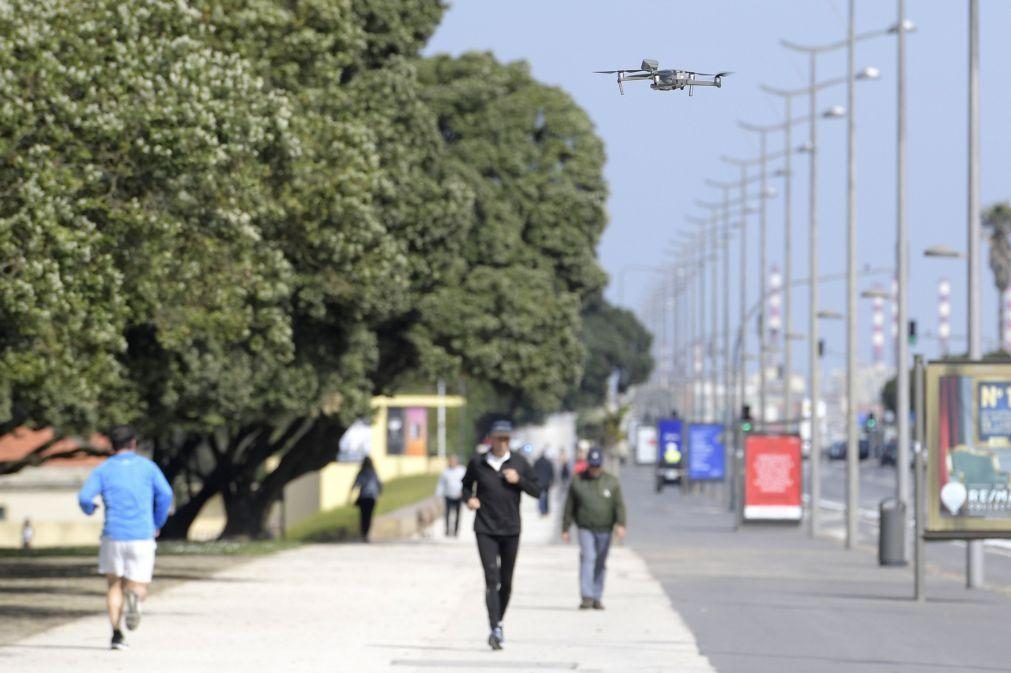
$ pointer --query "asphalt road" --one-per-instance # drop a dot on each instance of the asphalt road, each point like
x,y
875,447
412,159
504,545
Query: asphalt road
x,y
767,599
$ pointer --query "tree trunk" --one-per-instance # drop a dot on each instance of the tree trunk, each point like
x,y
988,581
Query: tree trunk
x,y
178,525
246,513
247,507
1001,310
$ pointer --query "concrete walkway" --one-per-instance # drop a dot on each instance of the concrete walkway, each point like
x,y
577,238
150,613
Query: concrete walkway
x,y
409,606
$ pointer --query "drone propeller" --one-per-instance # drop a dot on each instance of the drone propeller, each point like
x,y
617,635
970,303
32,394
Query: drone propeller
x,y
621,76
715,74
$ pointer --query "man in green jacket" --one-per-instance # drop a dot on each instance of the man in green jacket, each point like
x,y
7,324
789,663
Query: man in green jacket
x,y
595,505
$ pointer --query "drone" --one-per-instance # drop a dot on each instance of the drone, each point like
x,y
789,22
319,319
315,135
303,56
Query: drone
x,y
665,80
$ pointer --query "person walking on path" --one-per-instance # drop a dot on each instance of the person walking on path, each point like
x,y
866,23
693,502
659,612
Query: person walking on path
x,y
369,487
450,487
595,504
545,471
137,499
499,477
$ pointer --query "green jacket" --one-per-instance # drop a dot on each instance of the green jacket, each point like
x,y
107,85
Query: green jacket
x,y
595,504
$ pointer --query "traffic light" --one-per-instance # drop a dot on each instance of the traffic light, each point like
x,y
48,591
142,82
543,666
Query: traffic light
x,y
746,423
871,422
912,332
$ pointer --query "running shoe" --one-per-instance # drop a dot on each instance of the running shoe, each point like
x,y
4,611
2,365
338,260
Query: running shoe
x,y
597,605
118,641
132,610
494,640
500,633
586,604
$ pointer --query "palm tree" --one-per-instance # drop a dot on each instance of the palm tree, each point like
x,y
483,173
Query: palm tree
x,y
997,218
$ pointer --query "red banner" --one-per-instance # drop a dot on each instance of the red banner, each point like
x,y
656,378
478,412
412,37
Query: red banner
x,y
772,478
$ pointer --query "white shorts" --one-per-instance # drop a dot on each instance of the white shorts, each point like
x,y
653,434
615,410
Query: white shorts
x,y
132,559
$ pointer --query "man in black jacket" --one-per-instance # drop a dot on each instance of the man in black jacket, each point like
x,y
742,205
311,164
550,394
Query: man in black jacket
x,y
500,476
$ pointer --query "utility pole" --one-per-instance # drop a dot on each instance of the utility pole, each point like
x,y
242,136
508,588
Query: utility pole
x,y
852,446
974,548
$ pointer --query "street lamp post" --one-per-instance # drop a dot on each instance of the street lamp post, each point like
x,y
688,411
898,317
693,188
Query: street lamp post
x,y
852,448
974,548
901,27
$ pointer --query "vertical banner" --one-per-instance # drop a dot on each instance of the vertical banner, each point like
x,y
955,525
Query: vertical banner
x,y
669,444
416,440
395,431
968,450
706,457
645,445
772,478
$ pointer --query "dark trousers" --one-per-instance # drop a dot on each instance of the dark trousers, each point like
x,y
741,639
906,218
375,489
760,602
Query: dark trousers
x,y
365,508
498,558
453,506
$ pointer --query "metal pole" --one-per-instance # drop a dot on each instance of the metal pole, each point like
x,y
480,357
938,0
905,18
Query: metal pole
x,y
812,319
441,418
787,266
762,347
742,365
902,278
693,326
852,455
974,548
920,559
714,373
727,393
703,401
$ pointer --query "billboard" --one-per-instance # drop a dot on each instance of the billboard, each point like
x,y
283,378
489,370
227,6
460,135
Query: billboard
x,y
772,478
968,419
645,445
669,447
706,457
416,431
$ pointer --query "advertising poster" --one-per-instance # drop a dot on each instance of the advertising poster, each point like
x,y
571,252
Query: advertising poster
x,y
669,445
706,457
645,445
395,431
968,450
772,478
416,440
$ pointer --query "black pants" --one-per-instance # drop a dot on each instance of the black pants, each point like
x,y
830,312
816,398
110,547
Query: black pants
x,y
365,509
453,505
498,577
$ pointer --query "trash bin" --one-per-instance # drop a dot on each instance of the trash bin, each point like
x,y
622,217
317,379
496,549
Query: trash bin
x,y
891,532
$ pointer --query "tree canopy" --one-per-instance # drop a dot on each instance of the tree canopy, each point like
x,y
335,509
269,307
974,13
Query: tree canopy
x,y
232,223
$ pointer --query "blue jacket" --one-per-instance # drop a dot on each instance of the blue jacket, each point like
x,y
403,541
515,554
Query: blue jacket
x,y
136,495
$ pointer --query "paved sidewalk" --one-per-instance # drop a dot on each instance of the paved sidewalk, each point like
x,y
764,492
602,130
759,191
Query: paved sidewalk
x,y
410,606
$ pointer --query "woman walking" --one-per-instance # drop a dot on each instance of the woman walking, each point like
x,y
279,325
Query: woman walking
x,y
369,487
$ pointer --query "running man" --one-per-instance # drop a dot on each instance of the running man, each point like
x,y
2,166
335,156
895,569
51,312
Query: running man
x,y
500,476
137,499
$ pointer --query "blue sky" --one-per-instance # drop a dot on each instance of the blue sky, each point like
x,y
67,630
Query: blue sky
x,y
662,146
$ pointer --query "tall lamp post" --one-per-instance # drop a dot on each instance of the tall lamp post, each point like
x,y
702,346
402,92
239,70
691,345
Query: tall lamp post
x,y
974,548
899,29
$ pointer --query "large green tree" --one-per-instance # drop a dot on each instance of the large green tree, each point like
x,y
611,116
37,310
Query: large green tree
x,y
535,165
131,160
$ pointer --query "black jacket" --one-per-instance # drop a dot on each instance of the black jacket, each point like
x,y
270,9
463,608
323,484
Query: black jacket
x,y
545,471
499,513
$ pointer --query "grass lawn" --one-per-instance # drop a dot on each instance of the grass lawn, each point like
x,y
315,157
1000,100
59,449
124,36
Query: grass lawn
x,y
341,523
